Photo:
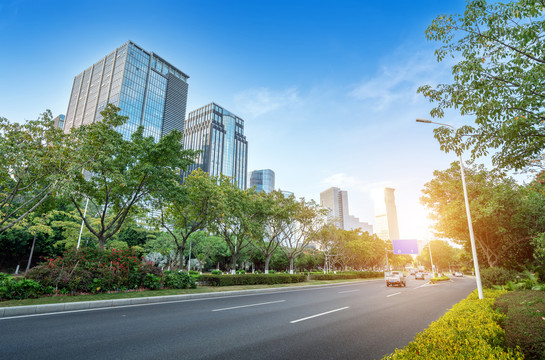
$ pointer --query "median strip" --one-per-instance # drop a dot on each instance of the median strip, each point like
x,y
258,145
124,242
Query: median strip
x,y
243,306
313,316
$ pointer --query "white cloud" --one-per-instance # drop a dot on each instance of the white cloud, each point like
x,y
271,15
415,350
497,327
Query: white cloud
x,y
256,102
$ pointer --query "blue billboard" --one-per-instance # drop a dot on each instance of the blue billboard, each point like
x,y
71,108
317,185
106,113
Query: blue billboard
x,y
405,247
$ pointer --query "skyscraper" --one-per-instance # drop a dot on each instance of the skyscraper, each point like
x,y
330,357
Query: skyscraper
x,y
148,89
336,200
386,225
58,121
220,136
263,180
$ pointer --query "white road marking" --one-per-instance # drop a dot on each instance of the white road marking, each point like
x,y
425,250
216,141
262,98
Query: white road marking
x,y
347,291
393,294
313,316
243,306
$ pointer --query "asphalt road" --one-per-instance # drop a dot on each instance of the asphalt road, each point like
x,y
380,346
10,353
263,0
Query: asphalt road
x,y
364,320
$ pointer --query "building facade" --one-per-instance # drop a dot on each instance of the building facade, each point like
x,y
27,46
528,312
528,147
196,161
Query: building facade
x,y
336,200
263,180
386,225
58,121
148,89
219,134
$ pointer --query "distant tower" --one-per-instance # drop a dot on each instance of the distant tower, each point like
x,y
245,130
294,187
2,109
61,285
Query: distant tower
x,y
386,226
59,121
336,200
263,180
220,135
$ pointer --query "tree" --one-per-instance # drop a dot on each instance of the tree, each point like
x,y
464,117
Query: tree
x,y
277,212
121,174
499,79
498,210
443,256
235,218
34,162
188,208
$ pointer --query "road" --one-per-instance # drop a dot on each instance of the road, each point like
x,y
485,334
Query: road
x,y
363,320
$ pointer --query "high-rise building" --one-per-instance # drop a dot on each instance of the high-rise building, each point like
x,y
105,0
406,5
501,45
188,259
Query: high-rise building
x,y
386,225
336,200
148,89
220,136
58,121
263,180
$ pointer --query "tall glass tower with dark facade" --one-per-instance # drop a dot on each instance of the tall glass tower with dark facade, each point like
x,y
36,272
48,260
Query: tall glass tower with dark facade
x,y
220,135
263,180
148,89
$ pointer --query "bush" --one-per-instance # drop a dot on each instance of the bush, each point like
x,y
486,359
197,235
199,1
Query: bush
x,y
524,322
152,282
216,272
251,279
347,275
470,330
89,269
178,280
497,276
18,289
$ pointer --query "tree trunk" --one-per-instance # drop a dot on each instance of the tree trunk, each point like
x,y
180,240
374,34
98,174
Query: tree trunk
x,y
233,264
292,259
267,262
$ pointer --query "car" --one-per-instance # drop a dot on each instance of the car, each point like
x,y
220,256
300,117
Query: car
x,y
419,276
458,274
396,278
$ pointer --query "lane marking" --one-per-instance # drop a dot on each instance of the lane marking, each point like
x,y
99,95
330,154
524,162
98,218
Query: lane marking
x,y
273,291
347,291
244,306
393,294
313,316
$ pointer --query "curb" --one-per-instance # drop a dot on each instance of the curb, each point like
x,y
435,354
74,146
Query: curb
x,y
98,304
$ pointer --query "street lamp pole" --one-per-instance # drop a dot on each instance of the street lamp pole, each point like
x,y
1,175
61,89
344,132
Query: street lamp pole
x,y
469,222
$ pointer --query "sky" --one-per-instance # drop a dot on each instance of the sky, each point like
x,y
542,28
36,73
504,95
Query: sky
x,y
327,89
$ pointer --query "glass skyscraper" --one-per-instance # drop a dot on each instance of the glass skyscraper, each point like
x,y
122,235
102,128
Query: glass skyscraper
x,y
263,180
220,136
148,89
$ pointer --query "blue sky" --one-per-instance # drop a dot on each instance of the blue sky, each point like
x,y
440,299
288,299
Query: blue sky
x,y
327,89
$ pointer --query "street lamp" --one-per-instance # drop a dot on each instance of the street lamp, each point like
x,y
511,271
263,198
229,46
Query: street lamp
x,y
470,225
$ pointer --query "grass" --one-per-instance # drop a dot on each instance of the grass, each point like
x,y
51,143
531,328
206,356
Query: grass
x,y
525,322
164,292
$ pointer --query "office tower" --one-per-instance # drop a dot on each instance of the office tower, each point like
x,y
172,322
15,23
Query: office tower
x,y
286,193
148,89
386,226
220,136
263,180
336,200
58,121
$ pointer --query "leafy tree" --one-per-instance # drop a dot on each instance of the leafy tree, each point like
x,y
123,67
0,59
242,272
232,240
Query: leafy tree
x,y
121,173
498,210
443,256
235,218
34,162
499,79
277,212
188,208
302,228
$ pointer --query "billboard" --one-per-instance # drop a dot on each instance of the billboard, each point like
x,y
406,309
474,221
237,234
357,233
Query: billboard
x,y
405,247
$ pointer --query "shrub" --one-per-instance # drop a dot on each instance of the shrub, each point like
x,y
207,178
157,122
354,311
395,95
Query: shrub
x,y
152,282
251,279
18,289
470,330
347,275
524,321
497,276
89,269
216,272
178,280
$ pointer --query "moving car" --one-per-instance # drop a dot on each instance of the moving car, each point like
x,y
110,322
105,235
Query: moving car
x,y
419,276
458,274
396,278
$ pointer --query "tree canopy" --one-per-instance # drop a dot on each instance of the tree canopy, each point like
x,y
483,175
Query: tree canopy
x,y
498,79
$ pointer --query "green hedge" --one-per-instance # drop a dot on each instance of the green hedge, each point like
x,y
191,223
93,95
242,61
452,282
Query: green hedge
x,y
250,279
18,289
348,275
497,276
470,330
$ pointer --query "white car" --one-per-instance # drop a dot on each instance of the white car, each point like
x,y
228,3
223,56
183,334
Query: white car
x,y
419,276
458,274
